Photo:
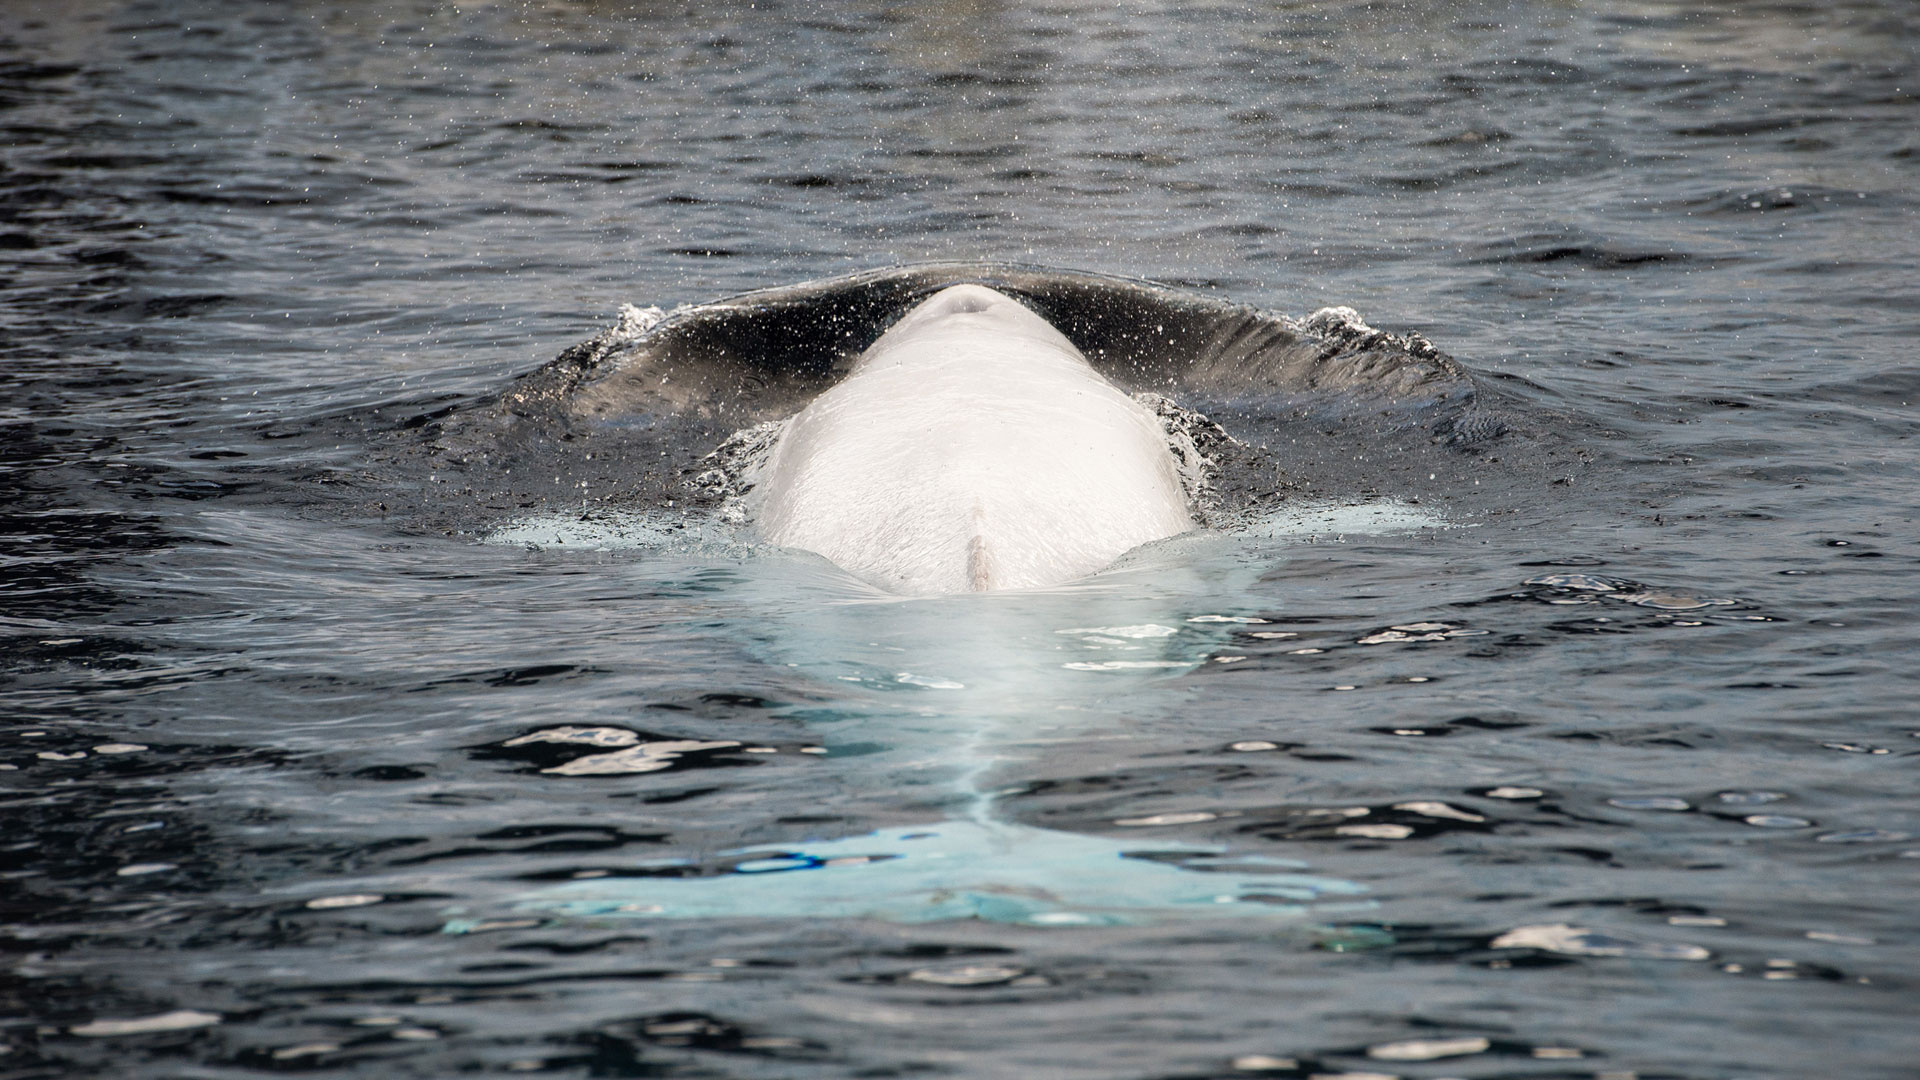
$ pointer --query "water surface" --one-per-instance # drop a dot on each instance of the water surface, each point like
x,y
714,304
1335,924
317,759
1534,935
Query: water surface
x,y
267,716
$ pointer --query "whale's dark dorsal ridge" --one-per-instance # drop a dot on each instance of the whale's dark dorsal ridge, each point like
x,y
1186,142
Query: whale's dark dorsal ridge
x,y
764,354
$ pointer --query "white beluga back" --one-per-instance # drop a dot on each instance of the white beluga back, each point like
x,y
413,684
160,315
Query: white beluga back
x,y
972,447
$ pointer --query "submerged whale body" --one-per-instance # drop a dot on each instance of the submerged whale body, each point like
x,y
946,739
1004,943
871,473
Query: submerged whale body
x,y
972,447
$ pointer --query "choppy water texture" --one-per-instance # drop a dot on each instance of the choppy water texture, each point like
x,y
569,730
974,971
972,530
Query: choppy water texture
x,y
1577,747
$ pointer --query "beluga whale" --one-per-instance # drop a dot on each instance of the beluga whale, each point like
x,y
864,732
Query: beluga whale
x,y
956,427
972,447
937,432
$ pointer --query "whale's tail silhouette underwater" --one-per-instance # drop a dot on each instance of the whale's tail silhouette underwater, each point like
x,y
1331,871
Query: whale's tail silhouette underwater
x,y
967,429
974,683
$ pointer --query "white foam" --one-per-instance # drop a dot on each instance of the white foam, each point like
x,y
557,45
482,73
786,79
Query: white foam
x,y
1381,517
599,530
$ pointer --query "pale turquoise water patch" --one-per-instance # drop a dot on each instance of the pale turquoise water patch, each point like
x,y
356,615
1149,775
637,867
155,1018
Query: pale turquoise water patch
x,y
1012,668
991,871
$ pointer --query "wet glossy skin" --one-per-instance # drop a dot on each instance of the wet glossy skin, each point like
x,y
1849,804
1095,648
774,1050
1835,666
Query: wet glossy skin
x,y
971,449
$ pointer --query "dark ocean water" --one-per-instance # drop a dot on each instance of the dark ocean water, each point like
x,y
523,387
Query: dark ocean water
x,y
257,698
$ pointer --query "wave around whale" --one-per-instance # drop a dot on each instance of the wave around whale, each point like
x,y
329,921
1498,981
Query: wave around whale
x,y
1282,411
